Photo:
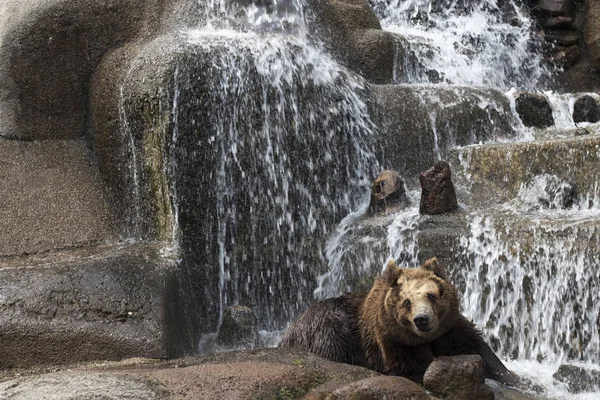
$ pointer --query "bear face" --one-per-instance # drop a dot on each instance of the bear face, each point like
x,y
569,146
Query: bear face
x,y
420,301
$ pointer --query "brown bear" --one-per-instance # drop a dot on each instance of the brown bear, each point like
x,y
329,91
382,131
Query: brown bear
x,y
409,317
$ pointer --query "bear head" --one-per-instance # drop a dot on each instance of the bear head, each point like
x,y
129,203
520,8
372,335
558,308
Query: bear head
x,y
419,304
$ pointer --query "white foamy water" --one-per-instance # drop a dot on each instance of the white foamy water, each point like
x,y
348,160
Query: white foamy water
x,y
475,43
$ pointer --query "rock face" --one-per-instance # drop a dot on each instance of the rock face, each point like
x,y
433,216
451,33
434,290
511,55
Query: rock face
x,y
113,302
457,378
438,195
379,387
387,192
591,34
586,109
578,379
534,110
420,123
238,329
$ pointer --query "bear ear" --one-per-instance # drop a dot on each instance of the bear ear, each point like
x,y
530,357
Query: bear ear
x,y
392,273
433,266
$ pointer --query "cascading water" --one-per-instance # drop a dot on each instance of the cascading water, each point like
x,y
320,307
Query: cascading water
x,y
475,43
283,151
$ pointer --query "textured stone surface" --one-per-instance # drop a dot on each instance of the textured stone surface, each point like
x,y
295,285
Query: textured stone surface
x,y
586,109
591,34
578,379
387,192
437,190
238,329
534,110
375,388
457,378
51,197
418,124
97,303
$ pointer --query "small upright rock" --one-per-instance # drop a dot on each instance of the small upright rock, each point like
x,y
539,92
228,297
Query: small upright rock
x,y
387,191
586,109
534,110
438,195
457,378
238,328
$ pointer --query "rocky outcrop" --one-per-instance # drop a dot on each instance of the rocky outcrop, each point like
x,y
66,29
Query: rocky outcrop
x,y
578,379
238,329
420,123
387,192
457,378
586,109
437,190
534,110
591,34
379,387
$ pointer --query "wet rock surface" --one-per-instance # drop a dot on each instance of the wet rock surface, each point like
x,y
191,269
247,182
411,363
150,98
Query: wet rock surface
x,y
457,378
387,193
586,109
380,387
437,190
578,379
238,329
534,110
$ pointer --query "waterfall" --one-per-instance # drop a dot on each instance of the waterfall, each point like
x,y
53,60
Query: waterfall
x,y
475,43
285,149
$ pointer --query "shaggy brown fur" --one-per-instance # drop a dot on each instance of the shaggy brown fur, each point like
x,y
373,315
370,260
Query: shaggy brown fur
x,y
409,317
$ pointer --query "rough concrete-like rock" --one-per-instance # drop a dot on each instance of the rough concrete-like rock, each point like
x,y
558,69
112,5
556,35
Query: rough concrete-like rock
x,y
379,387
96,303
48,52
578,379
77,386
238,329
586,109
438,195
51,197
457,378
418,123
534,110
591,34
387,192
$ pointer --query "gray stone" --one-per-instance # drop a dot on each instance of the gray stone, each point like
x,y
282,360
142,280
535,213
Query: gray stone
x,y
97,303
238,329
48,52
76,386
591,34
457,378
555,7
437,190
387,193
578,379
534,110
586,109
375,388
418,124
52,197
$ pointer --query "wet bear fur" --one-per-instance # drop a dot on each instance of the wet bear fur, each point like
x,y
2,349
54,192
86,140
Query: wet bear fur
x,y
410,316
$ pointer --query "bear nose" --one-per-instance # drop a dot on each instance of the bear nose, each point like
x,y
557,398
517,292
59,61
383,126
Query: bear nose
x,y
422,322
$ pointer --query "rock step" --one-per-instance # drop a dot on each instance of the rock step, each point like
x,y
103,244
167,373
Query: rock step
x,y
495,173
108,302
52,197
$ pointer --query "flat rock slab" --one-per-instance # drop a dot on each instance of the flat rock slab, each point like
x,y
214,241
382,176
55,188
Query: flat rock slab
x,y
75,385
254,374
51,197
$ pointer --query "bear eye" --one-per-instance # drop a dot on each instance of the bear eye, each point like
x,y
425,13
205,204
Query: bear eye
x,y
432,297
406,303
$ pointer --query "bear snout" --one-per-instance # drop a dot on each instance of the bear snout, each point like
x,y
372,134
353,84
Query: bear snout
x,y
422,322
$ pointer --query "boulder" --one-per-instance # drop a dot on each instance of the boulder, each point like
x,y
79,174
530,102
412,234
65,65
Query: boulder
x,y
457,378
388,192
586,109
534,110
375,388
438,195
555,7
238,329
48,52
578,379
